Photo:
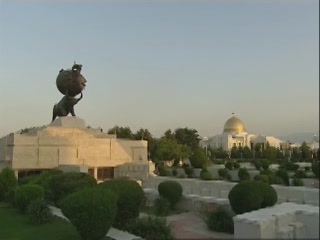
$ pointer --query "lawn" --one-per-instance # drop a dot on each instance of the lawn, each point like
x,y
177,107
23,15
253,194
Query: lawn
x,y
15,226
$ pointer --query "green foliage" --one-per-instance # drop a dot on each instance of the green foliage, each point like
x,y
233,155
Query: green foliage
x,y
305,151
188,170
274,179
223,172
188,137
91,211
161,206
262,178
8,182
163,171
289,166
247,196
174,172
130,199
198,159
265,164
122,132
266,172
257,165
220,221
169,149
236,165
182,175
307,169
39,212
150,228
283,174
229,165
243,174
297,182
300,174
315,168
205,175
171,190
25,194
58,186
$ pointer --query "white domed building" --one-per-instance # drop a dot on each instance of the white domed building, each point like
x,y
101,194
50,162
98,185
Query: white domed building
x,y
235,135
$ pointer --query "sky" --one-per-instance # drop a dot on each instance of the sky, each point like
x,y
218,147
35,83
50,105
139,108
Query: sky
x,y
164,64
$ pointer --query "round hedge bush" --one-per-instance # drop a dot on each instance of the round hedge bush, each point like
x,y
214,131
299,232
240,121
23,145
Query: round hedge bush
x,y
236,165
8,182
39,212
251,195
265,164
25,194
315,168
229,165
170,190
297,182
57,186
274,179
130,199
161,206
262,178
91,211
220,221
205,175
223,172
283,174
243,174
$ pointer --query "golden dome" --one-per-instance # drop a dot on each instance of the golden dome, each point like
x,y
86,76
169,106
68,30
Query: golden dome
x,y
234,125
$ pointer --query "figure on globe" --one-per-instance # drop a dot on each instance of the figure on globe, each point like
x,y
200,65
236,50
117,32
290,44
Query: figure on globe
x,y
70,83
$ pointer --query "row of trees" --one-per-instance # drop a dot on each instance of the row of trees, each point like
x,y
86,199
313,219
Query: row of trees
x,y
184,143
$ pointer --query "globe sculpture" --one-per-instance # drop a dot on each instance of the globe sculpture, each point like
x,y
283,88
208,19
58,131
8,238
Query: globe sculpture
x,y
70,83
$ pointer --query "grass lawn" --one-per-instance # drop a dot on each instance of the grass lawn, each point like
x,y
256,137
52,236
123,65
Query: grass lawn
x,y
15,226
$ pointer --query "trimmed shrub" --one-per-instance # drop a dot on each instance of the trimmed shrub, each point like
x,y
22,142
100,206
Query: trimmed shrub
x,y
229,165
265,164
39,212
243,174
163,171
289,166
150,228
188,170
283,174
161,206
8,182
174,172
220,221
266,172
182,175
247,196
223,172
315,168
205,175
273,179
297,182
262,178
257,165
91,211
236,165
25,194
300,174
58,186
171,190
307,169
130,199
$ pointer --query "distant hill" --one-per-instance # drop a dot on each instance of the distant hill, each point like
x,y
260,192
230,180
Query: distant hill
x,y
300,137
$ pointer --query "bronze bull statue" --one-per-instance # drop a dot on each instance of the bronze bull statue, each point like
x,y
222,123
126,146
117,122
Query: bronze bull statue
x,y
65,106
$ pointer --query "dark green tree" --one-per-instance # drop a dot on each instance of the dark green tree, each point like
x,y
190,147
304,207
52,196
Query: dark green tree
x,y
188,137
198,158
305,151
122,132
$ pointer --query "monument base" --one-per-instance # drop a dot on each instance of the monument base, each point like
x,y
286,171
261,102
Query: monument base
x,y
68,122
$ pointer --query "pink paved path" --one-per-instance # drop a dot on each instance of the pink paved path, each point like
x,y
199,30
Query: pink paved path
x,y
191,226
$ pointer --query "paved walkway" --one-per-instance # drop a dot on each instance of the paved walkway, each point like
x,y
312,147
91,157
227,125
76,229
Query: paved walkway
x,y
190,225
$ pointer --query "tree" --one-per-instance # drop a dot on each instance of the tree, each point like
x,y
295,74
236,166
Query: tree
x,y
166,149
247,153
122,132
305,151
188,137
169,134
198,159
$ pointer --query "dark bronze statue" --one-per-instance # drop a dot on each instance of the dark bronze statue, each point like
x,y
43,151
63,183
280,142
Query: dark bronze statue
x,y
70,83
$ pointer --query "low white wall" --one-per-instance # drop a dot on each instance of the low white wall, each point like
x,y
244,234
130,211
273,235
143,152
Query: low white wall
x,y
282,221
221,189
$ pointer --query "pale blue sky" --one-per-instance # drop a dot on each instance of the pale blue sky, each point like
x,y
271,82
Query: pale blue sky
x,y
164,64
